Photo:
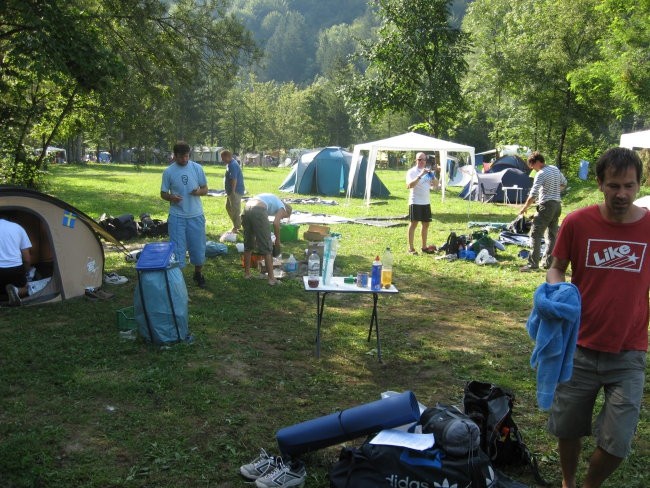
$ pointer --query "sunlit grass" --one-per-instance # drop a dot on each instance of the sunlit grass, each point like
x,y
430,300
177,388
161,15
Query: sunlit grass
x,y
80,407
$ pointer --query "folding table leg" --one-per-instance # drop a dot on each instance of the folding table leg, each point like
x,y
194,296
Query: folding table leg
x,y
320,306
374,320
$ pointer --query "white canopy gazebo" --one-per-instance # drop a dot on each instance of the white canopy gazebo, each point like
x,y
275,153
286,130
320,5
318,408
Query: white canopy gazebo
x,y
410,141
636,139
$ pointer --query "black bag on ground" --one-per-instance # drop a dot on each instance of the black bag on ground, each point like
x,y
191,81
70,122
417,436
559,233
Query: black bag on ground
x,y
152,227
454,460
453,431
123,227
491,408
453,243
521,225
374,466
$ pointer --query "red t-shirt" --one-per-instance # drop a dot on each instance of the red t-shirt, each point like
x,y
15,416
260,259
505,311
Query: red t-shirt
x,y
610,265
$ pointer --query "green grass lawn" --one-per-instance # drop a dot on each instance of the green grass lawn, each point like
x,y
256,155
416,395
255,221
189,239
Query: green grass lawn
x,y
81,407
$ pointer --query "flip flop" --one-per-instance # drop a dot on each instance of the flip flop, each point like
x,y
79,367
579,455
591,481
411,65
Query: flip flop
x,y
429,249
104,295
91,295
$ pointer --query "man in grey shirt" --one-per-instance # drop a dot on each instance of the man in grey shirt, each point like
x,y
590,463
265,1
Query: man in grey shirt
x,y
546,191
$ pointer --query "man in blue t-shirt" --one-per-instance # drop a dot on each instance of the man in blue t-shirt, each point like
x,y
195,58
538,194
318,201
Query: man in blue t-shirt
x,y
233,182
183,183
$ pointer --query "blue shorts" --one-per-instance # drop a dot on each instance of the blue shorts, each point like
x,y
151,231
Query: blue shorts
x,y
621,377
188,234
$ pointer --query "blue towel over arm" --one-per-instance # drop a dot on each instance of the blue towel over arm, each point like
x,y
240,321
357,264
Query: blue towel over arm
x,y
553,325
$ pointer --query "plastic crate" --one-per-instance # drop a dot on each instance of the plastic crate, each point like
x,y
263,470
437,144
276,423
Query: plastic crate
x,y
125,318
289,232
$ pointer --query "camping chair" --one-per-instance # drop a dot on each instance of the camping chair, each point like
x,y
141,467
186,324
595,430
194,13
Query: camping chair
x,y
488,194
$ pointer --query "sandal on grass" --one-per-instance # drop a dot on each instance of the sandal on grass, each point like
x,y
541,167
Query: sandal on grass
x,y
429,249
413,252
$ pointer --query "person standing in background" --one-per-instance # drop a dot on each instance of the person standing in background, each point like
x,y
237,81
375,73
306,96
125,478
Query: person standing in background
x,y
233,182
546,190
183,184
419,181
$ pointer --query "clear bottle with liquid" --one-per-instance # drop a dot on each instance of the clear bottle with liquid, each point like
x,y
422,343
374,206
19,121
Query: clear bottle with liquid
x,y
387,269
313,270
291,265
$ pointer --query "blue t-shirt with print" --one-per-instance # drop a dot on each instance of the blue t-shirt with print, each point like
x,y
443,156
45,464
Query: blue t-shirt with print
x,y
182,180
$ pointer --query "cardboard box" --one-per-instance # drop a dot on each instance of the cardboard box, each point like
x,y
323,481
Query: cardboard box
x,y
316,232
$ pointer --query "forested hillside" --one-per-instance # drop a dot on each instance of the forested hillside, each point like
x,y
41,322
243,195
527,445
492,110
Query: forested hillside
x,y
266,76
305,38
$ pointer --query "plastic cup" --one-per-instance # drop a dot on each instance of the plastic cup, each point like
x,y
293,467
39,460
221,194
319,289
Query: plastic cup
x,y
362,280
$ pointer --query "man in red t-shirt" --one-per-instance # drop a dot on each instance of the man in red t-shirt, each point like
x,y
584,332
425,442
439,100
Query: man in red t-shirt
x,y
608,247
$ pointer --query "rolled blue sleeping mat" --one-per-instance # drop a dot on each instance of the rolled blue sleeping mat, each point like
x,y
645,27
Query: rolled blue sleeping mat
x,y
387,413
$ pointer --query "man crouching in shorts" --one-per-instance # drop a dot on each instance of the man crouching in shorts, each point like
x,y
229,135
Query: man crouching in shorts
x,y
257,236
608,247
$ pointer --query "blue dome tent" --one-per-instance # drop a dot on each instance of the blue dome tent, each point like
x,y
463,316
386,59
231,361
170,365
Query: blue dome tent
x,y
325,172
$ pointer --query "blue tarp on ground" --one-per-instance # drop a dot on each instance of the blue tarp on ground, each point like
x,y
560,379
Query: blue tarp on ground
x,y
325,172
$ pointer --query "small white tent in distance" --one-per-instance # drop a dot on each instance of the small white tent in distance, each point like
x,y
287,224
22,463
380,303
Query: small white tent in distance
x,y
636,139
410,141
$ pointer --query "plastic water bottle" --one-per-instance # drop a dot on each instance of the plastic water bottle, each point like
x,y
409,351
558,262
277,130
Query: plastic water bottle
x,y
291,264
313,270
375,276
387,269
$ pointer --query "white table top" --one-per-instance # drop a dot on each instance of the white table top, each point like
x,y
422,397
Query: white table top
x,y
337,285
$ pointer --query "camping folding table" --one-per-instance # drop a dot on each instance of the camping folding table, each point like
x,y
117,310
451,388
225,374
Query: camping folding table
x,y
518,193
337,285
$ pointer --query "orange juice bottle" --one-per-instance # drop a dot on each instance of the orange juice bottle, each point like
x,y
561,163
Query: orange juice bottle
x,y
387,269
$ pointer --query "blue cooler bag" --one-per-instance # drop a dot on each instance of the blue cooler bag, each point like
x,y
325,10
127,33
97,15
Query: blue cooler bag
x,y
160,300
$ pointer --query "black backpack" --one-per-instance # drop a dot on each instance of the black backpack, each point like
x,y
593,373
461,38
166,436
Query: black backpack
x,y
490,406
454,243
152,227
453,431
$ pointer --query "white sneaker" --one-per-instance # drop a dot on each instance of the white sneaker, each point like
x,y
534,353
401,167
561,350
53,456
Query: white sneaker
x,y
258,467
284,475
115,279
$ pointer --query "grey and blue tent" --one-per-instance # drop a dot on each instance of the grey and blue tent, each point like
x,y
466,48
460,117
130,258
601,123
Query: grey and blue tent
x,y
325,172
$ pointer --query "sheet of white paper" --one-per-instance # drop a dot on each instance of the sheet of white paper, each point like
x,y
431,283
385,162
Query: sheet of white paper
x,y
394,437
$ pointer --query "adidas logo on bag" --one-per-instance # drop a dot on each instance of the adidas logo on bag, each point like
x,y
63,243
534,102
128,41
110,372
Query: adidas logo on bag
x,y
394,481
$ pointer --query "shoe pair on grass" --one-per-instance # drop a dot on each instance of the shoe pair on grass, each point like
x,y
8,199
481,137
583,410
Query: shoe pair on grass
x,y
272,472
